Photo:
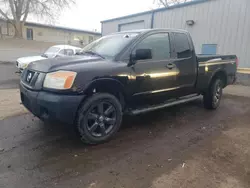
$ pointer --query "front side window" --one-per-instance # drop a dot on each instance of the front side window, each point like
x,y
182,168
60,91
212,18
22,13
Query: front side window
x,y
182,46
158,44
62,52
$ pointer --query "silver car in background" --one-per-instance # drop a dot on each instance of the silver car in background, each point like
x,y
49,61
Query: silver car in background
x,y
52,52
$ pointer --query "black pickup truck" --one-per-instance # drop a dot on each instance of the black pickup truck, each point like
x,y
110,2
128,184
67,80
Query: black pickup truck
x,y
124,73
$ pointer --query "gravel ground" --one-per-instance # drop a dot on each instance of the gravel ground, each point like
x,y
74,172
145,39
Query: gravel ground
x,y
10,103
8,78
182,146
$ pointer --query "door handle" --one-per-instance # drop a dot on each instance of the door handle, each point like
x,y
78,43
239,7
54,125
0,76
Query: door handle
x,y
170,66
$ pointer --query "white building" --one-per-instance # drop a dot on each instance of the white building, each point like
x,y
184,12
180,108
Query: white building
x,y
50,33
217,26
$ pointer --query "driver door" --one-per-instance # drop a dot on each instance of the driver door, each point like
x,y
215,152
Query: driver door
x,y
156,76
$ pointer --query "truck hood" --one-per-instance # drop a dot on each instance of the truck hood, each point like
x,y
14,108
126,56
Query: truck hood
x,y
29,59
64,63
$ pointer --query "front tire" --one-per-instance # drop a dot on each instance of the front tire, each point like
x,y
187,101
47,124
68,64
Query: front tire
x,y
99,118
212,98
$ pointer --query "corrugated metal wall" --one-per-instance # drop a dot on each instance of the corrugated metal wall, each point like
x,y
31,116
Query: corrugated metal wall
x,y
222,22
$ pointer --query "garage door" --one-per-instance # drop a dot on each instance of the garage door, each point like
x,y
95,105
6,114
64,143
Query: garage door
x,y
132,26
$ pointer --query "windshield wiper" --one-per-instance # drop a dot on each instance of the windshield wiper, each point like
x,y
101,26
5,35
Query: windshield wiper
x,y
93,53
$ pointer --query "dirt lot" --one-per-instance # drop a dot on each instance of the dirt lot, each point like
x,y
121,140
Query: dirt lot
x,y
183,146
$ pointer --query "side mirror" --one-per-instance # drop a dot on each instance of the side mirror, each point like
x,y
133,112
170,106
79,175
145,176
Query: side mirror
x,y
140,54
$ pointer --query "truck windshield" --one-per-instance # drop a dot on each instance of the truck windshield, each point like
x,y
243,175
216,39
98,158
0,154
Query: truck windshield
x,y
110,46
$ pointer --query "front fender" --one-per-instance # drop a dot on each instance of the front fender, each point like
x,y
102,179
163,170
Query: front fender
x,y
105,83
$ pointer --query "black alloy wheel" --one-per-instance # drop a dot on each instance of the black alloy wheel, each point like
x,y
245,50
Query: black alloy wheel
x,y
99,118
217,93
213,97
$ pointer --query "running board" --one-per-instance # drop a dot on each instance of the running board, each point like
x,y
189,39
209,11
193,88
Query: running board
x,y
167,104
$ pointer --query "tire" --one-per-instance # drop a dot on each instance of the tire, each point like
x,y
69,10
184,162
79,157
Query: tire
x,y
212,98
99,118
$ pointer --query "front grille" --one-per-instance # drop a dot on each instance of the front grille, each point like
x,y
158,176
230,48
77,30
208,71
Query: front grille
x,y
32,79
29,77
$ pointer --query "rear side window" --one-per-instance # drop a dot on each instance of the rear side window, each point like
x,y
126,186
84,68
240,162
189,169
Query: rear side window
x,y
68,52
158,43
182,47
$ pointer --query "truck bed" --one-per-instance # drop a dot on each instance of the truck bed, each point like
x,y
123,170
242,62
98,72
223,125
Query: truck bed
x,y
204,58
210,65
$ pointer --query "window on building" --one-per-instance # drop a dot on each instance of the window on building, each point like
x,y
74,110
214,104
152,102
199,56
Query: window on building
x,y
29,34
158,43
91,39
209,49
182,46
3,30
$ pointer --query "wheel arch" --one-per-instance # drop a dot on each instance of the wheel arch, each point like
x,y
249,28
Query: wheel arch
x,y
219,74
107,85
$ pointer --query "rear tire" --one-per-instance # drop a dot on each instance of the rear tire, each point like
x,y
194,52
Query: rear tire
x,y
212,98
99,118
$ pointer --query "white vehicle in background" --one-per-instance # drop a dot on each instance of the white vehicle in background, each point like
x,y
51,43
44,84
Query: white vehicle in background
x,y
52,52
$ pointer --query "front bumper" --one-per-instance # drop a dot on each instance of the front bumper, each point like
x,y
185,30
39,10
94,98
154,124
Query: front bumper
x,y
51,106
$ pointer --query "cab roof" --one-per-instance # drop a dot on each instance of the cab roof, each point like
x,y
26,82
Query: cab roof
x,y
141,31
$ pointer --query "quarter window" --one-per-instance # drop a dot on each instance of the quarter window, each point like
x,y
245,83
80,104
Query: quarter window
x,y
182,46
159,44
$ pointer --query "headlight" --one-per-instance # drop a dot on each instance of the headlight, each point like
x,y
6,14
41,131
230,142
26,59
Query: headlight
x,y
59,80
24,66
